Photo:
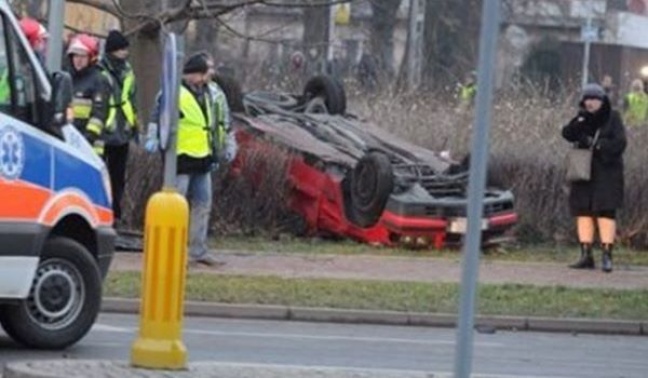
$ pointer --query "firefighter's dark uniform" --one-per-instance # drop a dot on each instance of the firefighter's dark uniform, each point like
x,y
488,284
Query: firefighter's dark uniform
x,y
90,104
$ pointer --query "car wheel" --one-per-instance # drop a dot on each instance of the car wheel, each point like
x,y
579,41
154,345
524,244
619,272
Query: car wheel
x,y
371,184
328,89
63,302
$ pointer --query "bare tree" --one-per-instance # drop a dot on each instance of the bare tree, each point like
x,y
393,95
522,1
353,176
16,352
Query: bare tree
x,y
145,21
450,48
383,22
316,31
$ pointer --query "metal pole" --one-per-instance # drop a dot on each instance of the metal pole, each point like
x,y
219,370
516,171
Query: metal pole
x,y
586,56
170,156
331,33
477,180
56,18
413,42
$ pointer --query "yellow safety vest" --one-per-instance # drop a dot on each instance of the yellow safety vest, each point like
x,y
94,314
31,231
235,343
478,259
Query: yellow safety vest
x,y
124,102
468,92
194,127
637,110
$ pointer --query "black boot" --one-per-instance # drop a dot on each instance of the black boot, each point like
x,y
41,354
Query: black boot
x,y
586,260
606,263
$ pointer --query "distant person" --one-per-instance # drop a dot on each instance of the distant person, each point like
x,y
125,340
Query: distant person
x,y
610,88
635,104
594,203
468,90
91,91
197,137
368,72
121,125
36,36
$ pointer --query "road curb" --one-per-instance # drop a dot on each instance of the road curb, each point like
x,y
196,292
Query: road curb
x,y
122,369
485,323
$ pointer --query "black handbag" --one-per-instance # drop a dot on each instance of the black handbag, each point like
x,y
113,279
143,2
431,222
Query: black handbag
x,y
579,162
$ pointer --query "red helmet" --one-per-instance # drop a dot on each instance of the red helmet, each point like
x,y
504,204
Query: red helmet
x,y
33,30
84,44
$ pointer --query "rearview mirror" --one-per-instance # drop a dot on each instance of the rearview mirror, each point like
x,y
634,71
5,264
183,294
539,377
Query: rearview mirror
x,y
61,97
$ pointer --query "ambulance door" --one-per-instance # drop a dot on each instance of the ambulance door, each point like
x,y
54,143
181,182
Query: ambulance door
x,y
25,165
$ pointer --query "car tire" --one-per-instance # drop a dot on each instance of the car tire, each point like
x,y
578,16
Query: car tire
x,y
232,89
370,185
69,271
330,90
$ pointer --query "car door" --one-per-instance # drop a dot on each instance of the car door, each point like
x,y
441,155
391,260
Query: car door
x,y
25,163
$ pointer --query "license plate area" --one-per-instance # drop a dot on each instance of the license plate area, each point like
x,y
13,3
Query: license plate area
x,y
460,225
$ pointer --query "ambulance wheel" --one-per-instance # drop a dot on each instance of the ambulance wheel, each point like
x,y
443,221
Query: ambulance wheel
x,y
63,302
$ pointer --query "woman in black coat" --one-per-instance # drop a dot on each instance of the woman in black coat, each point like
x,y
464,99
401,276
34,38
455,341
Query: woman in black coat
x,y
595,202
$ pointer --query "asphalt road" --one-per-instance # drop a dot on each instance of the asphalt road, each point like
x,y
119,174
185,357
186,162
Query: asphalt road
x,y
502,354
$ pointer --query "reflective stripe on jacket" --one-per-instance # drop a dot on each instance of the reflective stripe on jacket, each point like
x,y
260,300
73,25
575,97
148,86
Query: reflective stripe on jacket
x,y
122,118
90,101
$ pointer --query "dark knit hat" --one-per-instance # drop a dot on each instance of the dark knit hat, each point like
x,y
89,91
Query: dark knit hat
x,y
115,41
196,63
593,90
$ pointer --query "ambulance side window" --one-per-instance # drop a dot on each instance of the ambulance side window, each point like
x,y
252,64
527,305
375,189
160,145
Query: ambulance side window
x,y
19,78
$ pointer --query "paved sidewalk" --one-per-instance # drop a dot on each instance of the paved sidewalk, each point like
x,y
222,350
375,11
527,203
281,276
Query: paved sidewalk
x,y
406,269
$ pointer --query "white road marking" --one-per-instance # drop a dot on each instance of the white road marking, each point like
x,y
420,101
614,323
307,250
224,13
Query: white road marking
x,y
335,338
383,340
98,327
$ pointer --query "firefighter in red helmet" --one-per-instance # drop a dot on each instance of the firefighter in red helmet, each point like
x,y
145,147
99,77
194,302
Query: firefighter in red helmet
x,y
91,89
36,36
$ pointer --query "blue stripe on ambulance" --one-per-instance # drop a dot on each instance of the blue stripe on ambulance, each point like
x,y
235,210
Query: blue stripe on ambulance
x,y
87,178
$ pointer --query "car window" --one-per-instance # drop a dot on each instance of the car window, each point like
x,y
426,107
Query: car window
x,y
18,83
5,85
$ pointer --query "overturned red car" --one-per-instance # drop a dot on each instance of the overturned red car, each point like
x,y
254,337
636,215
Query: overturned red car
x,y
352,179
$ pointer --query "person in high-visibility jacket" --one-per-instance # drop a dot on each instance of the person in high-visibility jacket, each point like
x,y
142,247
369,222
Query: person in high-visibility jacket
x,y
90,90
635,105
468,90
224,142
121,124
196,151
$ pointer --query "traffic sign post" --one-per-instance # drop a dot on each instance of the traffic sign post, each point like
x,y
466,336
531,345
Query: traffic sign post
x,y
159,343
477,181
55,25
589,34
172,60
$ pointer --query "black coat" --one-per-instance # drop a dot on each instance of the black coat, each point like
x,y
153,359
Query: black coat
x,y
604,192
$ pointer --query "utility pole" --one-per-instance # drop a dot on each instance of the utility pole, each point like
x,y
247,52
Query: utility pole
x,y
415,40
56,9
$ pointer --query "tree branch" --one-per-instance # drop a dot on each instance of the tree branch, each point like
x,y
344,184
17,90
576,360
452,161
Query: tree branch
x,y
99,4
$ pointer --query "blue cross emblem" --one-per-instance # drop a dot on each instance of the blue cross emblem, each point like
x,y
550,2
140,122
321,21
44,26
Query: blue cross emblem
x,y
12,153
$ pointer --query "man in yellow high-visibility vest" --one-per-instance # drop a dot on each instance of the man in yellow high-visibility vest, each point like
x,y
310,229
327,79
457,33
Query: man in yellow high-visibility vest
x,y
635,105
196,151
121,125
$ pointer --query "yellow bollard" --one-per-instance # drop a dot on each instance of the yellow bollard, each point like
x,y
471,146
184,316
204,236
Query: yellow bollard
x,y
159,344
